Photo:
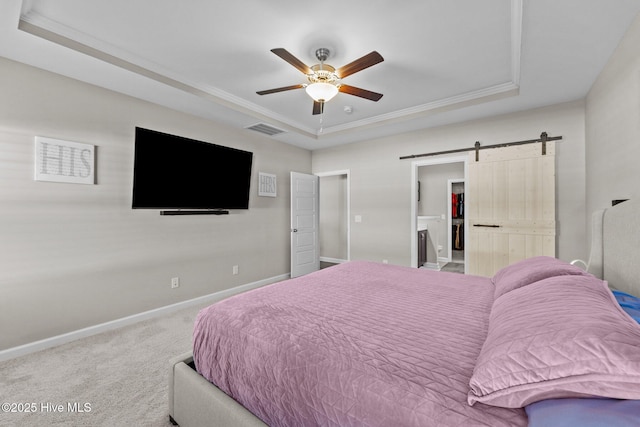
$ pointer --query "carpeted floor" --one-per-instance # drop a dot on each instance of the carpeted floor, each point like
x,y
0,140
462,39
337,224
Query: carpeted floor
x,y
117,378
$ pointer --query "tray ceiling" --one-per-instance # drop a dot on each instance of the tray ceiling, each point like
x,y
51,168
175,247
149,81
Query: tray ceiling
x,y
444,61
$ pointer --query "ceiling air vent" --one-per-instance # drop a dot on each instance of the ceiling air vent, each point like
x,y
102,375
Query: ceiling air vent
x,y
265,129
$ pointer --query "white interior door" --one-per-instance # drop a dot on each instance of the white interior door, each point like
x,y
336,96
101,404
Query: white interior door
x,y
305,248
510,206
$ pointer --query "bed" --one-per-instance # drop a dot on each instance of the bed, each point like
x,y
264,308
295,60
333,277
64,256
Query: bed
x,y
369,344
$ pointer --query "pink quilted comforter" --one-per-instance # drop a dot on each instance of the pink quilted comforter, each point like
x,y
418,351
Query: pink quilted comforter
x,y
359,344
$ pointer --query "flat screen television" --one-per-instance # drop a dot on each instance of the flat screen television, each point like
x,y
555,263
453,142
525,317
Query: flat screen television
x,y
172,172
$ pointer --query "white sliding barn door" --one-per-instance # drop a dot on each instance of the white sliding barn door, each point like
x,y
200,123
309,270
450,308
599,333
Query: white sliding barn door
x,y
510,206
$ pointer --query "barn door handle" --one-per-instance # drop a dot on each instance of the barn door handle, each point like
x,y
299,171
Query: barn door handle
x,y
487,225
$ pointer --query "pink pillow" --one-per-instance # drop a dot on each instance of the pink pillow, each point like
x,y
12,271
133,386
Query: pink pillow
x,y
531,270
564,336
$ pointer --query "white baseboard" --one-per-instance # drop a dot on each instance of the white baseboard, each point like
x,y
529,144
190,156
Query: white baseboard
x,y
432,266
57,340
332,260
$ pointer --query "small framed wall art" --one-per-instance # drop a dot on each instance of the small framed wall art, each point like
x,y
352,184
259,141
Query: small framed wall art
x,y
267,184
64,161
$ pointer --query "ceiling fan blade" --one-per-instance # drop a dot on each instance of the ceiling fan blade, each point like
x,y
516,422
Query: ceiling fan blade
x,y
284,54
362,93
318,107
359,64
279,89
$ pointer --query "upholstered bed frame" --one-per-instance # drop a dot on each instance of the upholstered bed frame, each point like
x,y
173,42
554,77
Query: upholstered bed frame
x,y
615,246
194,401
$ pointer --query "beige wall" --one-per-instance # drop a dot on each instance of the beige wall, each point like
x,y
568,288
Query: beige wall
x,y
73,256
381,183
613,127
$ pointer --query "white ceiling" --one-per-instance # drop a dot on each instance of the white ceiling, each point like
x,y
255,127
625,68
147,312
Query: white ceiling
x,y
444,61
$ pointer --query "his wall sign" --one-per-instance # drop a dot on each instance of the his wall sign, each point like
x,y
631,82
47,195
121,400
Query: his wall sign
x,y
64,161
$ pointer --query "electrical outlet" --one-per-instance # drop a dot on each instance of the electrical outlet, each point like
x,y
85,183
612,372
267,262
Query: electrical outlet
x,y
385,261
175,282
235,270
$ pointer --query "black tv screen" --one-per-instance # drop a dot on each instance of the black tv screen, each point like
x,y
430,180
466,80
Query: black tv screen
x,y
172,172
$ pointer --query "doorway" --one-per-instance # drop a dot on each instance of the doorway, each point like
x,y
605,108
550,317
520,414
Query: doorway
x,y
431,213
334,234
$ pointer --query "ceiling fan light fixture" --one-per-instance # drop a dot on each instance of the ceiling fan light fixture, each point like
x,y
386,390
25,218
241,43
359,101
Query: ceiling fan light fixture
x,y
325,80
321,92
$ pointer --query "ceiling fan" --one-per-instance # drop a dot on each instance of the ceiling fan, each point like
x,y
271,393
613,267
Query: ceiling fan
x,y
324,80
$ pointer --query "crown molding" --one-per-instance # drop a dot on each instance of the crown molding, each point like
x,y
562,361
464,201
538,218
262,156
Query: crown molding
x,y
459,101
502,90
55,32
